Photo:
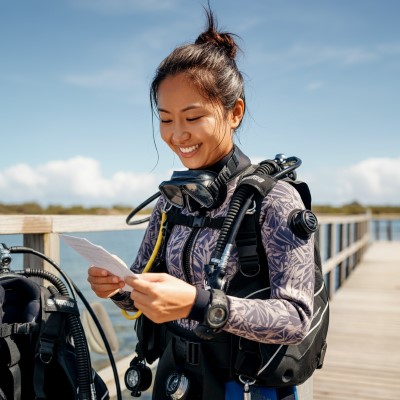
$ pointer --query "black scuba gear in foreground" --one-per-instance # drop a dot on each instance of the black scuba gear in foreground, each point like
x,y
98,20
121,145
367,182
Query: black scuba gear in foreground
x,y
43,349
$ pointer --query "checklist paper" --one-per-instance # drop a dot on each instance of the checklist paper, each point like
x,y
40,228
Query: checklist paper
x,y
100,257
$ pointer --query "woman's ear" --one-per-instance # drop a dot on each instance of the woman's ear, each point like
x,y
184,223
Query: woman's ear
x,y
237,113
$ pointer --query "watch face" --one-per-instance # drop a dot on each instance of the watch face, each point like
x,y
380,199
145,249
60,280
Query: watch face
x,y
217,315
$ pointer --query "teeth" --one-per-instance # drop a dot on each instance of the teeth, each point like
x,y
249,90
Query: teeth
x,y
188,149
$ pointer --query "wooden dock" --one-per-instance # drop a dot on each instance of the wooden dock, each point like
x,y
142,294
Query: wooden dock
x,y
363,357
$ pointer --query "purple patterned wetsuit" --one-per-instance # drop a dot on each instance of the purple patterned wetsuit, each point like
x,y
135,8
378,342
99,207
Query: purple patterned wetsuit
x,y
285,317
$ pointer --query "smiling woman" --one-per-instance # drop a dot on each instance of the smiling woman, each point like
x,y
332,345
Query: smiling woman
x,y
209,311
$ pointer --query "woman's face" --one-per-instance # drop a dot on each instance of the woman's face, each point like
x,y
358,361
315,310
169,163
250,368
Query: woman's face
x,y
194,128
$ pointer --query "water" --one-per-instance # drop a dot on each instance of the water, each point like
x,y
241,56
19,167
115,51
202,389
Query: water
x,y
379,228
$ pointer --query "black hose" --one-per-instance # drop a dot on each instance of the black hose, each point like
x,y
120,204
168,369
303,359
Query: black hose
x,y
237,203
28,250
138,208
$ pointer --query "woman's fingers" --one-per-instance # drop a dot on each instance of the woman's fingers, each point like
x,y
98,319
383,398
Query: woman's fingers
x,y
103,283
162,297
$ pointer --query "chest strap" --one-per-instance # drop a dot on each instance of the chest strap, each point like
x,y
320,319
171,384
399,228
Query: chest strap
x,y
195,221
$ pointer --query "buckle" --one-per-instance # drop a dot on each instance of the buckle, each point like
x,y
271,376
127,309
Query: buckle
x,y
198,222
192,353
22,328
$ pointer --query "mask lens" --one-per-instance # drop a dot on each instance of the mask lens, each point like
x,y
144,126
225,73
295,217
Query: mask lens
x,y
173,194
199,193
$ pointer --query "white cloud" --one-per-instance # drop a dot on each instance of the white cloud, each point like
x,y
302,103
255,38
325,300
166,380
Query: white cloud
x,y
374,181
78,180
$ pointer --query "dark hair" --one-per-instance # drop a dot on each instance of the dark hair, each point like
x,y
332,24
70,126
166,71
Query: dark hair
x,y
209,63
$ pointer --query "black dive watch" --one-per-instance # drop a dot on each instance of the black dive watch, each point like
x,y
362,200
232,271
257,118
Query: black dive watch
x,y
217,311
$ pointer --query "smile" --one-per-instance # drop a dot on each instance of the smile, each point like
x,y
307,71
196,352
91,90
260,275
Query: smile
x,y
189,149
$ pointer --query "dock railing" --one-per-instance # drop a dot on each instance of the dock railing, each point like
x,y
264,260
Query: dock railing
x,y
343,239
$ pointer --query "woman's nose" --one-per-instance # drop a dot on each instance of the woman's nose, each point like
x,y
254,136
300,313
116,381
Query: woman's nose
x,y
180,133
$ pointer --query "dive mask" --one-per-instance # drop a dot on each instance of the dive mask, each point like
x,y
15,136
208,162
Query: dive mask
x,y
186,186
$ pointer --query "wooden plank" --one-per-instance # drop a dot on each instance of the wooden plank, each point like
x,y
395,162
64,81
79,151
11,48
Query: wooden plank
x,y
26,224
16,224
363,357
92,223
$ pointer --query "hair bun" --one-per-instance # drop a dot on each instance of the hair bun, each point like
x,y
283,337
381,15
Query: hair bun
x,y
221,40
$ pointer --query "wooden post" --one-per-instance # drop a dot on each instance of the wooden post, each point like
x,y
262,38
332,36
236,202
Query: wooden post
x,y
389,230
377,225
342,245
331,253
46,243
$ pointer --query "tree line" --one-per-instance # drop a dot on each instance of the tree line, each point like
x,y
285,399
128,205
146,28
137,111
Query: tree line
x,y
32,208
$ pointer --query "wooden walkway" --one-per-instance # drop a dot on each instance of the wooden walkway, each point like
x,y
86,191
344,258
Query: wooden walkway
x,y
363,356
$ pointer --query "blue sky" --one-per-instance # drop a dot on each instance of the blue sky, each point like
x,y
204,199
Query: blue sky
x,y
322,80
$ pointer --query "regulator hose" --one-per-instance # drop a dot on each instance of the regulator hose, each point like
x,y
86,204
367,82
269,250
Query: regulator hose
x,y
139,208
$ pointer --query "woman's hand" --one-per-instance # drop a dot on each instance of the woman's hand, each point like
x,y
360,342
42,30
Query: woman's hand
x,y
162,297
103,283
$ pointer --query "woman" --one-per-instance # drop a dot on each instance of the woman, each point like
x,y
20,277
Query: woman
x,y
198,94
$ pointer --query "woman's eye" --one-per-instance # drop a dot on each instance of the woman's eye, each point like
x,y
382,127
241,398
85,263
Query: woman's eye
x,y
193,118
165,121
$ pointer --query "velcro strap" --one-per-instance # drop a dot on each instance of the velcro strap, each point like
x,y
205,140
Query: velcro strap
x,y
17,328
6,330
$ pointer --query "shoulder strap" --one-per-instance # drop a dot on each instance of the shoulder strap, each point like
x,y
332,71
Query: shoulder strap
x,y
248,240
252,259
55,309
13,365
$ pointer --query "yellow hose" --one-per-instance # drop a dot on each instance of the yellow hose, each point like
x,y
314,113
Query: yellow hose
x,y
149,263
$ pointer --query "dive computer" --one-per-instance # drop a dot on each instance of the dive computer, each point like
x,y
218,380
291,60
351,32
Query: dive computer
x,y
217,311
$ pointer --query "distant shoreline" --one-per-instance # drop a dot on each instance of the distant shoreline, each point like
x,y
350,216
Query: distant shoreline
x,y
36,209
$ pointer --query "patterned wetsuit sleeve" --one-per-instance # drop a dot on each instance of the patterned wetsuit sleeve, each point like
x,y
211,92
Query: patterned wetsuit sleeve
x,y
286,317
123,300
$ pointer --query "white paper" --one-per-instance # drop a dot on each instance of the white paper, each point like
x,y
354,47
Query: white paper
x,y
100,257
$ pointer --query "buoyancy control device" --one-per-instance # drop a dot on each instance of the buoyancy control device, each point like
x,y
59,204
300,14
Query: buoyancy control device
x,y
43,348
